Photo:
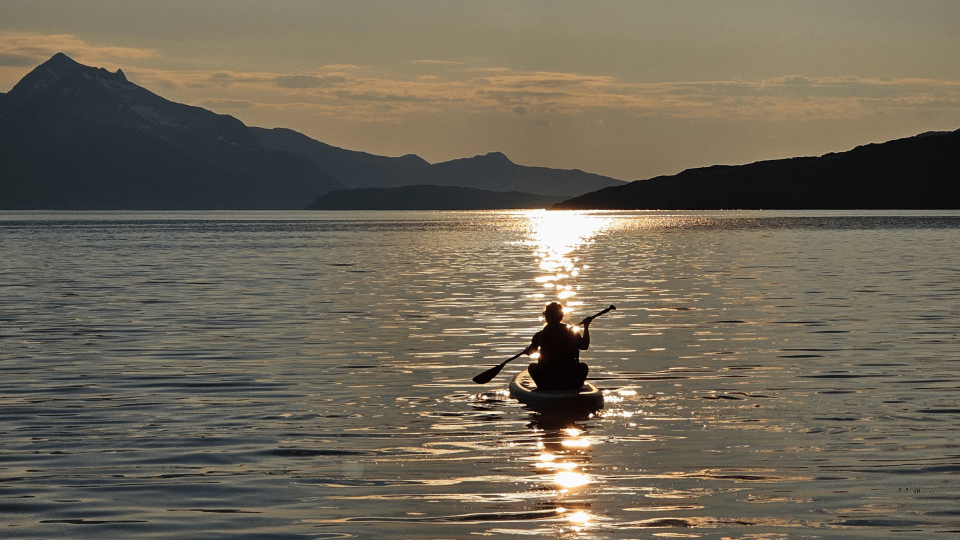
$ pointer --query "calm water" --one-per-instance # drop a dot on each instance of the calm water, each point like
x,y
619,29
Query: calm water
x,y
307,375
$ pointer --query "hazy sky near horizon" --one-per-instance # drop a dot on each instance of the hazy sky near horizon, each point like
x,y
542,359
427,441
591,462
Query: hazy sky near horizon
x,y
629,89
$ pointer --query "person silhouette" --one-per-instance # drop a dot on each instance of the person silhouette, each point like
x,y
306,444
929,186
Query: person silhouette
x,y
559,366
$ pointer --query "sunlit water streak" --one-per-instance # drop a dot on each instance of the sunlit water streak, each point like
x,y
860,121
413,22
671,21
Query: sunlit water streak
x,y
288,375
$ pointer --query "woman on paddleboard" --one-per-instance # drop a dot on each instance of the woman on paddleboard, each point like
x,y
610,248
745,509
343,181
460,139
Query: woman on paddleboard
x,y
559,366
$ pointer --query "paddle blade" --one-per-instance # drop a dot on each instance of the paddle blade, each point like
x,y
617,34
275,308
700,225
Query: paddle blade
x,y
488,375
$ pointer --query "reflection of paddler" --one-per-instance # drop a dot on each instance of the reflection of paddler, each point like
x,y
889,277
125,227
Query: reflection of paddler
x,y
559,366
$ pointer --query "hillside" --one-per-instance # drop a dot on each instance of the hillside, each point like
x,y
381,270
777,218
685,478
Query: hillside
x,y
921,172
491,172
354,169
429,198
78,137
495,172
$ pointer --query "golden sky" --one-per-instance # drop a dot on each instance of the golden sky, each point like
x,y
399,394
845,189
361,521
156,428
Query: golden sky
x,y
629,89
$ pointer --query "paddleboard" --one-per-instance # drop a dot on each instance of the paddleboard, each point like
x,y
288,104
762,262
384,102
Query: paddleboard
x,y
524,390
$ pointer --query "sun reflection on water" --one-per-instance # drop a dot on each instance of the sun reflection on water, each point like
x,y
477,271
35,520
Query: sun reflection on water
x,y
563,448
563,459
570,479
555,235
580,517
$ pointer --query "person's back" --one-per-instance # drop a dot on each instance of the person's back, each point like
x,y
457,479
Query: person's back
x,y
559,345
559,366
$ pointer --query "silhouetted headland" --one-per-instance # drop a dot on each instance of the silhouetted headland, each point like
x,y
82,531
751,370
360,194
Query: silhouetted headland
x,y
921,172
430,198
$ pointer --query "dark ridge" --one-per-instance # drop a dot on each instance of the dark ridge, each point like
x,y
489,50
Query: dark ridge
x,y
354,169
495,172
428,198
492,171
921,172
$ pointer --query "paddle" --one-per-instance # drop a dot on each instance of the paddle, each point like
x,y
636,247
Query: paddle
x,y
489,374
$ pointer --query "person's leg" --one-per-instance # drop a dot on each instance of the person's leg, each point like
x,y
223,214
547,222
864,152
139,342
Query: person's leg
x,y
535,373
545,379
571,379
578,375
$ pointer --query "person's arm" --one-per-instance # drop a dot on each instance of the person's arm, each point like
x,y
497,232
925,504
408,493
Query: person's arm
x,y
534,345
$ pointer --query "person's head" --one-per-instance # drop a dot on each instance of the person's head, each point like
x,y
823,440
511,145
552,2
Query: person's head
x,y
553,313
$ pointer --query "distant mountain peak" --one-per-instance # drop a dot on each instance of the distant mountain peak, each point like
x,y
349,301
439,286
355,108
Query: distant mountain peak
x,y
495,157
413,159
55,69
42,77
490,159
59,66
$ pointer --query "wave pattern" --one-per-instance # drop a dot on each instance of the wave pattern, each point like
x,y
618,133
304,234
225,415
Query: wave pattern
x,y
307,375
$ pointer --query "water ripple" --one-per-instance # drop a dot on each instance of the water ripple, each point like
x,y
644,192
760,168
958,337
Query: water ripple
x,y
264,375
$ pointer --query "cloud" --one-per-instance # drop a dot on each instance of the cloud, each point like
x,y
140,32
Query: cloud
x,y
17,60
438,62
358,92
536,94
215,81
385,97
543,79
32,49
304,80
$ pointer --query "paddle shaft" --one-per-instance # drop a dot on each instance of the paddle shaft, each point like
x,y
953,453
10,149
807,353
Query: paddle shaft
x,y
511,359
611,308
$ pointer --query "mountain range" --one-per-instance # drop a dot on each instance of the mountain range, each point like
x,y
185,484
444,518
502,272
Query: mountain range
x,y
79,137
493,171
920,172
